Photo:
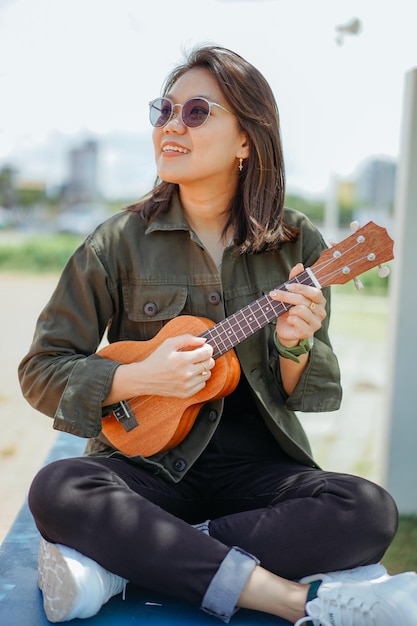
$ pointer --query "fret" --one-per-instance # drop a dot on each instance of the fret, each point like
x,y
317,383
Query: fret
x,y
240,325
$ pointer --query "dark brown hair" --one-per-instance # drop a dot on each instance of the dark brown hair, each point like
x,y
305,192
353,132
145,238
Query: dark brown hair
x,y
257,208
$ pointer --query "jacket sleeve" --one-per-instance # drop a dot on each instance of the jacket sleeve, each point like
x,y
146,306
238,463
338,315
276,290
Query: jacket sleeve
x,y
62,376
319,387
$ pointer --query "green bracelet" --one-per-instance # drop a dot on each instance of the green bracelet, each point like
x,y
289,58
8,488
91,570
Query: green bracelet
x,y
303,347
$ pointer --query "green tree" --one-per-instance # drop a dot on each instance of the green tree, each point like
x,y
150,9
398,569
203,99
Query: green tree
x,y
29,195
7,187
313,209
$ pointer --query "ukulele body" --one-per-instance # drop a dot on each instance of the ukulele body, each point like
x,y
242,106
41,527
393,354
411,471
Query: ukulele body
x,y
163,422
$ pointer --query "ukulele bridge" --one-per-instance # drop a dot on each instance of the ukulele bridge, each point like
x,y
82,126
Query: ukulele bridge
x,y
125,416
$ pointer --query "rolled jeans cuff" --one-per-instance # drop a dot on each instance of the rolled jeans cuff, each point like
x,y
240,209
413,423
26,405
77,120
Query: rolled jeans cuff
x,y
227,584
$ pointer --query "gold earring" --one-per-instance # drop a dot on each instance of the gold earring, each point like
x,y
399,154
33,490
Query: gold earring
x,y
240,164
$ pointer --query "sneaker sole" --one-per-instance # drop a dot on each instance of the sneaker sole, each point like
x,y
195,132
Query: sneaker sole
x,y
56,582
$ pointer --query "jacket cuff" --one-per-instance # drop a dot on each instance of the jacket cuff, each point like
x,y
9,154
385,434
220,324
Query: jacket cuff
x,y
80,409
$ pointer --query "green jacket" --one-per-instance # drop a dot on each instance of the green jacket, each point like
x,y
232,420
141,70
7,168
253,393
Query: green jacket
x,y
128,279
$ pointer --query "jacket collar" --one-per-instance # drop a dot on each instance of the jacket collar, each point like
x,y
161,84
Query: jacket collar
x,y
173,219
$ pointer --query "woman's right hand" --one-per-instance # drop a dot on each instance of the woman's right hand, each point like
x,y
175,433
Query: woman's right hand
x,y
179,367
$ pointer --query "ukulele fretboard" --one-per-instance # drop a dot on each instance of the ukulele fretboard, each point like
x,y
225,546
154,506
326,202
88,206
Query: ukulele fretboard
x,y
240,325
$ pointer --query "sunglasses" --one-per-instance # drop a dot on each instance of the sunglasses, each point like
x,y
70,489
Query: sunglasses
x,y
194,112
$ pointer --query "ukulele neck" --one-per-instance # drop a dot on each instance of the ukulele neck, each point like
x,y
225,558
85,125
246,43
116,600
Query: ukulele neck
x,y
240,325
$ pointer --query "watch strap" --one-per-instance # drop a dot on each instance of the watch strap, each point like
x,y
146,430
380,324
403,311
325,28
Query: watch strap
x,y
303,347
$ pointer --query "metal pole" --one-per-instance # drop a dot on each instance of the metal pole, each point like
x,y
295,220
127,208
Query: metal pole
x,y
401,468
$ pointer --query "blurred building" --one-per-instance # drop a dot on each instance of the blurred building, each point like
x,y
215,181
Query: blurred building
x,y
375,190
82,183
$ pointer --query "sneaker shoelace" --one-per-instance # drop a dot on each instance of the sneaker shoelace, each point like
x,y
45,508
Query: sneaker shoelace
x,y
348,611
113,584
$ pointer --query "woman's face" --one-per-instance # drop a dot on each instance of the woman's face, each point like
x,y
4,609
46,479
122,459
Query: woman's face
x,y
207,154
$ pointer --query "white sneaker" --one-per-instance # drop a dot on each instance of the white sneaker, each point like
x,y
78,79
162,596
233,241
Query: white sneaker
x,y
72,584
365,572
385,601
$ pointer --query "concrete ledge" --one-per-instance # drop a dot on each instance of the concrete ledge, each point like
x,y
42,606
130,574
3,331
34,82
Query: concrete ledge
x,y
21,600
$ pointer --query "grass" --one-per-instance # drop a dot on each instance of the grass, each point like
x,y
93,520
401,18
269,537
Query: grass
x,y
36,254
359,314
402,554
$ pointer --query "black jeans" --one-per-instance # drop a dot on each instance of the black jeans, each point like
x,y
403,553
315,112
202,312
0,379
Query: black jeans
x,y
294,519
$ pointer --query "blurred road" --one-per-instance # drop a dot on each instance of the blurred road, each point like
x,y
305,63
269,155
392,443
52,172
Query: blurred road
x,y
349,440
25,435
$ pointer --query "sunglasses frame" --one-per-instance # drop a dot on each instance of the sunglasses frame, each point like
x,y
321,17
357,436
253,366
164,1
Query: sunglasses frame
x,y
173,107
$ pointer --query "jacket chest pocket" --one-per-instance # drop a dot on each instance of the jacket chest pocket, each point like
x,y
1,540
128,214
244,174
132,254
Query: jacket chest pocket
x,y
148,308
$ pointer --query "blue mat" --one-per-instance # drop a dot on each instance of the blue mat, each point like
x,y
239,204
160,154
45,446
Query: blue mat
x,y
21,600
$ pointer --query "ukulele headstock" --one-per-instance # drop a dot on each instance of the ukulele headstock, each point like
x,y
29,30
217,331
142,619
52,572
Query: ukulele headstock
x,y
366,248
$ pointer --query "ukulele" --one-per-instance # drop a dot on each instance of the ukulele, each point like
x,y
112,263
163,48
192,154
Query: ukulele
x,y
146,425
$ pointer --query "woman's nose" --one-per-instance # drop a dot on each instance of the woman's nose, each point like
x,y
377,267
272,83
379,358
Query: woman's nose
x,y
175,117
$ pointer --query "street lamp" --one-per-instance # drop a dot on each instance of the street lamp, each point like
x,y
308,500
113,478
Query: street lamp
x,y
352,27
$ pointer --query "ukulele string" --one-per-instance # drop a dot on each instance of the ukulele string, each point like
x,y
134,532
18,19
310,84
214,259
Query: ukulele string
x,y
239,326
234,329
139,401
320,269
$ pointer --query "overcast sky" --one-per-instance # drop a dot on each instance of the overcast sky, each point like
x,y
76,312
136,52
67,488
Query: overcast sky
x,y
77,68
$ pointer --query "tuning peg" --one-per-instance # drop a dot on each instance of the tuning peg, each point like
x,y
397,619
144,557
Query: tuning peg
x,y
383,271
358,284
332,241
354,226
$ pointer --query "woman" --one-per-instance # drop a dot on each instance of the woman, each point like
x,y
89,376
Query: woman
x,y
210,238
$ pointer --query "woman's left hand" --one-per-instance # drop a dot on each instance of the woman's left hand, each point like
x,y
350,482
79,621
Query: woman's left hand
x,y
306,314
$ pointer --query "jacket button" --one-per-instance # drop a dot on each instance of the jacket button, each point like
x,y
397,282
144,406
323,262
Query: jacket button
x,y
214,297
180,465
212,415
150,309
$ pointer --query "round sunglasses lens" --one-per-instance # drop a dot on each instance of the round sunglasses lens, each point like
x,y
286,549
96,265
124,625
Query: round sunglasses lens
x,y
160,111
195,112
